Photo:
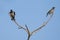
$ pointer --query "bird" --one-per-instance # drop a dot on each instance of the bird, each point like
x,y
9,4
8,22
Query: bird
x,y
12,14
51,11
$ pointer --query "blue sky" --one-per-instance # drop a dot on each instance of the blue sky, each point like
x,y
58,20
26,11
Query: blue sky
x,y
32,13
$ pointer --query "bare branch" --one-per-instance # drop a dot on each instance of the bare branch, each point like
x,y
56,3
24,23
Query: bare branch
x,y
28,32
26,28
19,26
44,23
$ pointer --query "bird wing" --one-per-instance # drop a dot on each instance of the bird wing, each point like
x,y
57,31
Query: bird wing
x,y
14,13
49,11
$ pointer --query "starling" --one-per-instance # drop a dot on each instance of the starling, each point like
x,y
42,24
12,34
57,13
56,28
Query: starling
x,y
51,11
12,14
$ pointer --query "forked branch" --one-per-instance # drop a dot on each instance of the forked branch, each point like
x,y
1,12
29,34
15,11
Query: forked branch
x,y
12,15
21,27
36,30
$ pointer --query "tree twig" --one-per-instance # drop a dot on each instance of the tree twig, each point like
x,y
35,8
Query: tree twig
x,y
28,32
19,26
44,23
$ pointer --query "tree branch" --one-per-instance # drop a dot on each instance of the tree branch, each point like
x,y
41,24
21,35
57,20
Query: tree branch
x,y
28,32
19,26
44,23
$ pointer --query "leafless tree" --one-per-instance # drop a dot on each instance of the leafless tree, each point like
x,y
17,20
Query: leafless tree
x,y
36,30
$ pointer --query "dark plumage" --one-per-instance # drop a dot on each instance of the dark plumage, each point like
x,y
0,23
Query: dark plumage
x,y
12,14
51,11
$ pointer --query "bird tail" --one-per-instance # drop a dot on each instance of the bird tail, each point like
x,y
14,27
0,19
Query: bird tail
x,y
46,14
13,19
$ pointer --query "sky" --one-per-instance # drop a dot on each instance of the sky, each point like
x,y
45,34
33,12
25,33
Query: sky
x,y
33,14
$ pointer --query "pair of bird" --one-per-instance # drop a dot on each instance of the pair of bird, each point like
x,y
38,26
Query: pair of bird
x,y
12,13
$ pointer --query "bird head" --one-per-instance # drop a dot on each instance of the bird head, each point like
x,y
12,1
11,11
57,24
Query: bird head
x,y
53,8
11,10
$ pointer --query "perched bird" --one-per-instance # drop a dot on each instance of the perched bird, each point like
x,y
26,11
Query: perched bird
x,y
51,11
12,14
